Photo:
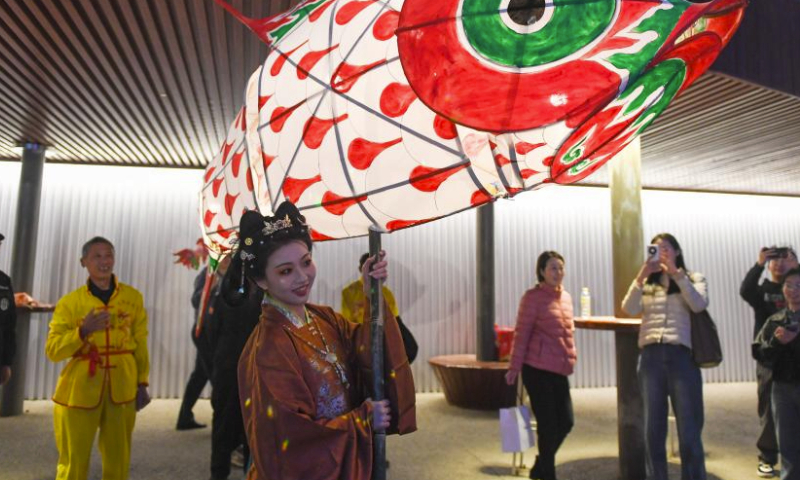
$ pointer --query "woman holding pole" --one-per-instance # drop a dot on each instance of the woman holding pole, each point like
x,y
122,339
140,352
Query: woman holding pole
x,y
305,372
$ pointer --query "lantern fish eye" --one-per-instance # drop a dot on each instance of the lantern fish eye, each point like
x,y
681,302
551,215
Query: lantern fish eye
x,y
533,33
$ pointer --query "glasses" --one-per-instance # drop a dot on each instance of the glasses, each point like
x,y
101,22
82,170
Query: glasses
x,y
791,286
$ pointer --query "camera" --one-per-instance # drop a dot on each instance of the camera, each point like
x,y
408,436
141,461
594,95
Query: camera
x,y
781,252
652,253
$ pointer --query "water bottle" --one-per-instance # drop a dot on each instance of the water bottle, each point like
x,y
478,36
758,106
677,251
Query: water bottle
x,y
586,303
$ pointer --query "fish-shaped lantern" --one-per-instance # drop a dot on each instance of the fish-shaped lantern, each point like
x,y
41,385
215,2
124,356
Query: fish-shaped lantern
x,y
388,114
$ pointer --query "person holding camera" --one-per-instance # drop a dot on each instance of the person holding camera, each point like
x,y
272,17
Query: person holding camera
x,y
777,347
766,299
666,293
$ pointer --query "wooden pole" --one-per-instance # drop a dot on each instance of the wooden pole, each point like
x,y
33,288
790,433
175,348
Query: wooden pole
x,y
376,326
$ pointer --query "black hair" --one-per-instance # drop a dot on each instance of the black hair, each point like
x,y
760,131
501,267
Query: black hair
x,y
94,241
362,261
793,271
259,238
541,262
655,278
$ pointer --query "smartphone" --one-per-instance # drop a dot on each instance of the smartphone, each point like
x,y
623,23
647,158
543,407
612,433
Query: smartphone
x,y
652,253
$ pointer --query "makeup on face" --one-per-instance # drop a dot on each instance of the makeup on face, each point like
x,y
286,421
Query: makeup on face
x,y
290,274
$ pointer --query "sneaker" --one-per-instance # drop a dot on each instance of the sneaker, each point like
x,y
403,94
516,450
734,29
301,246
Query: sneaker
x,y
766,470
237,457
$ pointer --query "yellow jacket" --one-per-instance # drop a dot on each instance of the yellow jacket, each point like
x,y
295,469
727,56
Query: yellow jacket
x,y
122,367
354,302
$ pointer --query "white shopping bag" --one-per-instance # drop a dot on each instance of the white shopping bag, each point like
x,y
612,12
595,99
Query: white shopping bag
x,y
515,429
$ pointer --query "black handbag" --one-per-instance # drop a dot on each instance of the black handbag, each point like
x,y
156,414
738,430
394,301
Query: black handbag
x,y
706,349
409,342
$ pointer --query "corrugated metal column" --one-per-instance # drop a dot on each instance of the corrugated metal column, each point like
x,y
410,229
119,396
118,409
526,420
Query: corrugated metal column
x,y
23,261
484,341
627,244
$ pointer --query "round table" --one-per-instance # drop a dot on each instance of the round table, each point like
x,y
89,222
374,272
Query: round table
x,y
469,383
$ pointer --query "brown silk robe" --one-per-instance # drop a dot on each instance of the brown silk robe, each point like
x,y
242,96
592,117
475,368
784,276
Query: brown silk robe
x,y
301,422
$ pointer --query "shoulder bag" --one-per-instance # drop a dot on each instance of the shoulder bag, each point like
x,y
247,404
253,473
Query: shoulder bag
x,y
706,349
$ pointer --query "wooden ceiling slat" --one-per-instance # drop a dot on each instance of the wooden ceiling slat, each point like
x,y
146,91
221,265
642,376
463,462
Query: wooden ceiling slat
x,y
88,76
133,70
133,99
745,149
76,67
740,127
189,47
231,98
12,115
238,73
186,100
105,77
164,71
60,80
59,116
138,33
677,124
706,120
213,98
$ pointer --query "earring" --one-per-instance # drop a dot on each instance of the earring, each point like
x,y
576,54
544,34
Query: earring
x,y
241,285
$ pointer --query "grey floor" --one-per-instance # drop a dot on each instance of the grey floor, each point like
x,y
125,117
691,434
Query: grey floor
x,y
451,443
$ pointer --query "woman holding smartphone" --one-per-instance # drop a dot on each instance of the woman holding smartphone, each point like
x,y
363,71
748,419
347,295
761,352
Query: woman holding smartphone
x,y
666,293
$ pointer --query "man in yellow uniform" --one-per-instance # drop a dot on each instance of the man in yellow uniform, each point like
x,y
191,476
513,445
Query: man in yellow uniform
x,y
354,301
102,329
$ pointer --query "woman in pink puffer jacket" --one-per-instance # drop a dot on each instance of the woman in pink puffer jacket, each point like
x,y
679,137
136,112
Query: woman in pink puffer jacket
x,y
544,351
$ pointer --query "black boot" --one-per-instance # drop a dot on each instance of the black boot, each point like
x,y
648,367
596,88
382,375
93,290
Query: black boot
x,y
187,422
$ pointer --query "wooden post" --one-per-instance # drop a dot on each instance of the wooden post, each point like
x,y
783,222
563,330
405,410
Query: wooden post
x,y
628,254
484,250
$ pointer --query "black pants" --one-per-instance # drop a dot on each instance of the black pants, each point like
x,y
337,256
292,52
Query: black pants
x,y
767,442
552,407
227,427
194,387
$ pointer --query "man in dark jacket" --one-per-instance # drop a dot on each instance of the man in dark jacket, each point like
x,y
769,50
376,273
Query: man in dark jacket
x,y
231,328
8,325
777,346
200,374
766,299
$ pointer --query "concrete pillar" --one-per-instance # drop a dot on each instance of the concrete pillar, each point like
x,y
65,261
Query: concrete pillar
x,y
627,243
23,262
484,341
